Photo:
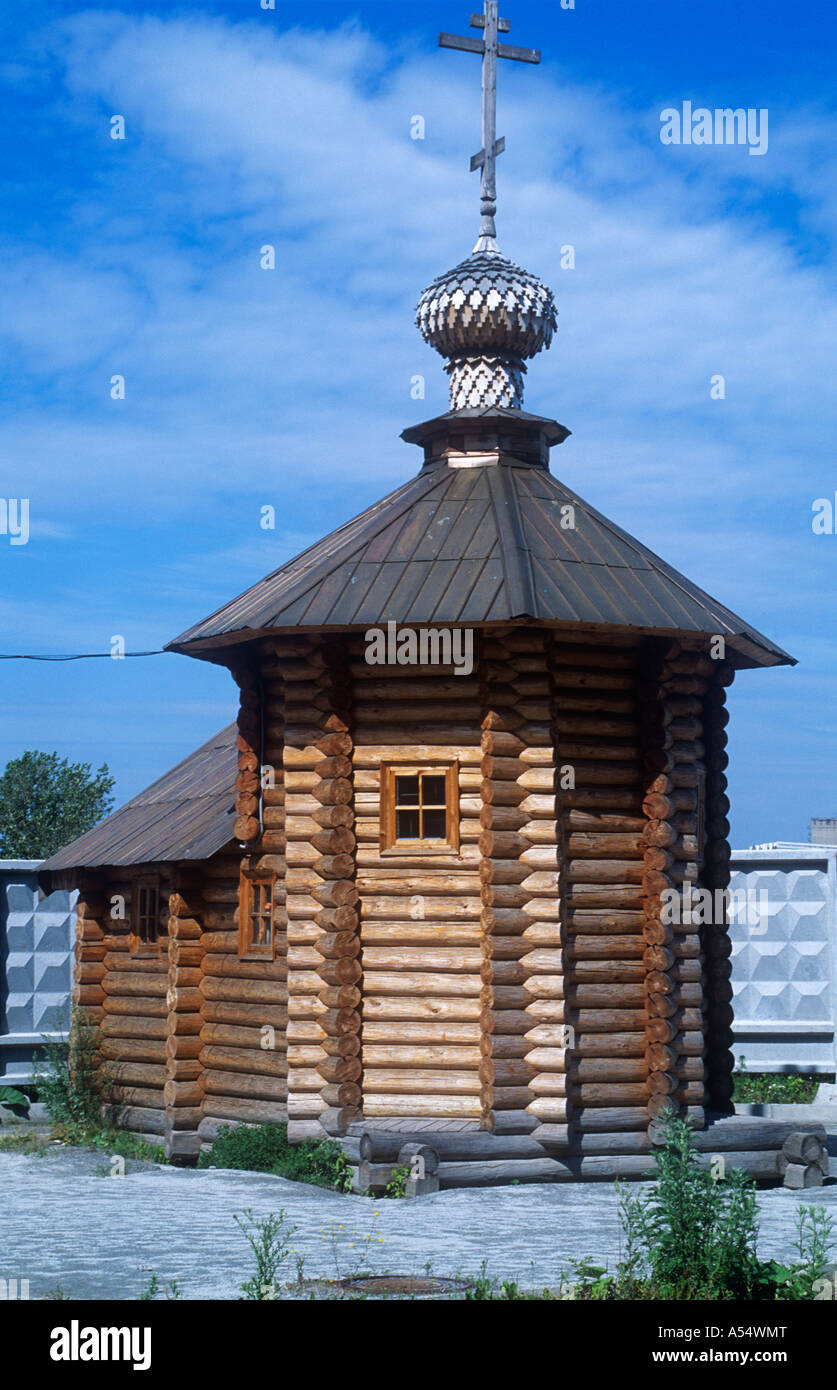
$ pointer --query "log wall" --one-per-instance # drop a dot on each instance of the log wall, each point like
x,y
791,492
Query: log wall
x,y
717,985
134,1007
597,730
323,940
243,1012
527,983
674,684
520,843
88,969
183,1089
421,935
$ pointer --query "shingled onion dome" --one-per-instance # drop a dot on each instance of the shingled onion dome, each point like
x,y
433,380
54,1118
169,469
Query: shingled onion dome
x,y
487,316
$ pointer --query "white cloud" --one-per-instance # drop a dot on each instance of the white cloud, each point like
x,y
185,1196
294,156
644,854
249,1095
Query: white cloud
x,y
290,386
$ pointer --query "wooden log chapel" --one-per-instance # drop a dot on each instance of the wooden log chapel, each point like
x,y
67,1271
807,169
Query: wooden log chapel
x,y
478,759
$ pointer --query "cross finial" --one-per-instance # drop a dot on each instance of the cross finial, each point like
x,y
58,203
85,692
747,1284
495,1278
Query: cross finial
x,y
491,50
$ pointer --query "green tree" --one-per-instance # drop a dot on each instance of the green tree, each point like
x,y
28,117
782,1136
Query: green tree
x,y
46,801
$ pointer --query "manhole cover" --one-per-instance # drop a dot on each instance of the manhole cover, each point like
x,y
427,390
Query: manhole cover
x,y
421,1286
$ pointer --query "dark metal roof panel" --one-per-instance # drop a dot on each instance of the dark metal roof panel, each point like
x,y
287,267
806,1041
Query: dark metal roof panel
x,y
188,813
478,544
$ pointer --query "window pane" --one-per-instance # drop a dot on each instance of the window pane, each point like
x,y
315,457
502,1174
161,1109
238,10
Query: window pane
x,y
407,824
434,825
406,791
147,911
433,790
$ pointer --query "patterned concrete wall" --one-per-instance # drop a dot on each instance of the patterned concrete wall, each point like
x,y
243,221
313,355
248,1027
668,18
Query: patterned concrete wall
x,y
36,966
784,957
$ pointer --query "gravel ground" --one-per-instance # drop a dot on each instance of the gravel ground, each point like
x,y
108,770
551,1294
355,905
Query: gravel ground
x,y
66,1222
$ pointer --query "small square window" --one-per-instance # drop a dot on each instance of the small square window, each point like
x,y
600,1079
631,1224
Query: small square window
x,y
145,917
420,809
255,915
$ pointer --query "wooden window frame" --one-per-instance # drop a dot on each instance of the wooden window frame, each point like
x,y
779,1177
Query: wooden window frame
x,y
250,882
139,944
391,846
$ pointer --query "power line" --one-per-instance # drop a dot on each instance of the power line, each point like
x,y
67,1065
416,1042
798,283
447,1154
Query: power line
x,y
80,656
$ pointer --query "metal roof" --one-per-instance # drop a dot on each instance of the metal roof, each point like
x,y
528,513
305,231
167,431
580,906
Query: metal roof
x,y
462,545
188,813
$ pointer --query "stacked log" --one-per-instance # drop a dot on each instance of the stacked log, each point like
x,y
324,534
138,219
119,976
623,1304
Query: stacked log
x,y
183,1091
673,683
804,1160
88,970
420,913
134,1009
523,974
245,1001
323,945
597,735
244,1012
717,984
247,828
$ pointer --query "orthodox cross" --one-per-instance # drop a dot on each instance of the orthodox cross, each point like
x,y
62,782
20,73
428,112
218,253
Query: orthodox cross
x,y
491,50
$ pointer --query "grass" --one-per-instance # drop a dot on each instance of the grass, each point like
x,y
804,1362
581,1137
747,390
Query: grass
x,y
21,1141
691,1237
265,1149
774,1088
75,1083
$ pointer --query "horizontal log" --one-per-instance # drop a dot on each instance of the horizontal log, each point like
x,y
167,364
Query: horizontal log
x,y
489,1172
418,958
255,1061
421,1106
270,992
229,1083
231,967
420,1081
378,982
418,1055
142,1119
419,1008
139,1074
134,1006
618,1094
242,1015
223,1108
133,1026
548,1109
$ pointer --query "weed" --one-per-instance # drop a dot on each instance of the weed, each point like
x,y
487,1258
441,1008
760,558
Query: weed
x,y
154,1284
269,1241
764,1088
397,1185
694,1237
18,1140
265,1149
74,1081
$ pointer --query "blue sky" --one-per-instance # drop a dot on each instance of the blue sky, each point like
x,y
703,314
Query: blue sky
x,y
247,387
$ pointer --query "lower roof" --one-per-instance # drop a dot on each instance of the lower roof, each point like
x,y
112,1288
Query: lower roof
x,y
188,813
